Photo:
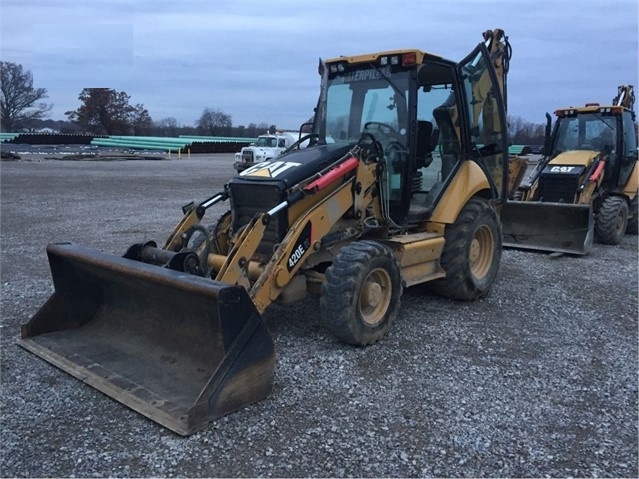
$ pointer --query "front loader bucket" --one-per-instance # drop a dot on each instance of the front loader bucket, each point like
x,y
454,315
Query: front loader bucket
x,y
178,348
555,227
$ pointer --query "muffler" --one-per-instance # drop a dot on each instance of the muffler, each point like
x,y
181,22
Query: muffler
x,y
553,227
178,348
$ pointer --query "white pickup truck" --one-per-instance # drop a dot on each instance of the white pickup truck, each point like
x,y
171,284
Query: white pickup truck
x,y
266,147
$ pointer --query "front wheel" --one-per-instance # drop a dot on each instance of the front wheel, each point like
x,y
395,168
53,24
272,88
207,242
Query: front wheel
x,y
361,295
472,252
633,221
612,219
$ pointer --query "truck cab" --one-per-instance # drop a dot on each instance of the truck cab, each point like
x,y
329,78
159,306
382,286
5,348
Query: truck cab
x,y
266,148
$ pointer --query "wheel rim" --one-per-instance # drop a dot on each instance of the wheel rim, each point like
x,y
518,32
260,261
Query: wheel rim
x,y
620,222
375,296
481,252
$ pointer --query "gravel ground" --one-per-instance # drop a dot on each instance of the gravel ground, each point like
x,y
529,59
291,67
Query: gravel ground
x,y
537,379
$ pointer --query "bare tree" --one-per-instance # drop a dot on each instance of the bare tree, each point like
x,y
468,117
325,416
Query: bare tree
x,y
214,122
522,132
140,120
252,130
166,127
107,111
239,131
18,98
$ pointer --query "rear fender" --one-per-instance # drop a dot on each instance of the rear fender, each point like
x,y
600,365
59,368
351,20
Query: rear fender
x,y
469,181
632,185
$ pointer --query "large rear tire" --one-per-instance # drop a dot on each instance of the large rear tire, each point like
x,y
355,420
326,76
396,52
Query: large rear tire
x,y
472,252
612,220
361,295
633,223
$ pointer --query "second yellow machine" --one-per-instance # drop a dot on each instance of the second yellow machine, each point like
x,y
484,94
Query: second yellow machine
x,y
400,184
585,188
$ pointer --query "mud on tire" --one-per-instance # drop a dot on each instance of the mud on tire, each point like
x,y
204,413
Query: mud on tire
x,y
633,223
472,252
361,295
612,220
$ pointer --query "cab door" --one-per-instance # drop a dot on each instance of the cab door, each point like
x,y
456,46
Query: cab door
x,y
484,107
628,150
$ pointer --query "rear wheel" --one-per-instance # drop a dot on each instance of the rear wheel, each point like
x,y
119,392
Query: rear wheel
x,y
612,220
632,228
472,252
361,295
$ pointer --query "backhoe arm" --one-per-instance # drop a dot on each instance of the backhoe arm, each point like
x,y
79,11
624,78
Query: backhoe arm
x,y
625,97
499,49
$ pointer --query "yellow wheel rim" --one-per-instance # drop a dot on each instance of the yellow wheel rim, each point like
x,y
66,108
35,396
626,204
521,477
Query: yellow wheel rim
x,y
375,296
620,223
481,252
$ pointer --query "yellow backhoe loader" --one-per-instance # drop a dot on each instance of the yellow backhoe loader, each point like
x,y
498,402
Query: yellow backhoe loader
x,y
585,187
390,191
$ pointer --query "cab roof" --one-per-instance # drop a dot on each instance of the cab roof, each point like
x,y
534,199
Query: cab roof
x,y
374,57
590,108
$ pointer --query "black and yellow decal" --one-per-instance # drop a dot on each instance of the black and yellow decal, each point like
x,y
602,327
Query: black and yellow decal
x,y
269,169
302,245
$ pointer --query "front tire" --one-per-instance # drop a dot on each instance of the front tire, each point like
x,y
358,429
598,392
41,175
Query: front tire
x,y
633,223
472,252
612,220
361,295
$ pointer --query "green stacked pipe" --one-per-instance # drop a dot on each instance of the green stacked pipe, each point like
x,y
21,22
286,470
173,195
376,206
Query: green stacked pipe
x,y
193,144
223,139
142,143
8,136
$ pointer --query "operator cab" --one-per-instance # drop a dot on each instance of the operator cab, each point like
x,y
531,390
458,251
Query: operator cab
x,y
606,130
585,131
429,115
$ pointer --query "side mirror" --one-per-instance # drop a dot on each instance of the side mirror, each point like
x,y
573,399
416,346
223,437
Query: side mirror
x,y
547,139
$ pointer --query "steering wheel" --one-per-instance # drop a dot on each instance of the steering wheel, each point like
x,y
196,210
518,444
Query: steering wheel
x,y
381,126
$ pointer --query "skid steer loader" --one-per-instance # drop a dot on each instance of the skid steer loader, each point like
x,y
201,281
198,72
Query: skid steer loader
x,y
585,188
392,191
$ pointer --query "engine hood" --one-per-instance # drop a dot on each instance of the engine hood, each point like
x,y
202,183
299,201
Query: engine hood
x,y
575,157
295,166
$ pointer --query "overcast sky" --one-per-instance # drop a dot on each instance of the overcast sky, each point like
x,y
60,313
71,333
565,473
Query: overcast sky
x,y
257,60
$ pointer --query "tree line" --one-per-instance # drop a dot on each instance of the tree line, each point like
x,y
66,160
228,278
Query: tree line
x,y
105,111
102,111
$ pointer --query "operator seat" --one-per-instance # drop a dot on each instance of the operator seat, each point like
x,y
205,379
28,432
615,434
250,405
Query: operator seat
x,y
427,139
450,149
605,141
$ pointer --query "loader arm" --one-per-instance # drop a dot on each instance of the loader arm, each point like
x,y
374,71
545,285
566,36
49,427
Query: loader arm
x,y
302,239
189,220
235,268
353,191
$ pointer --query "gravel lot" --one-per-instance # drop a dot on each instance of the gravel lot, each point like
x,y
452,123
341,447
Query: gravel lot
x,y
537,379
